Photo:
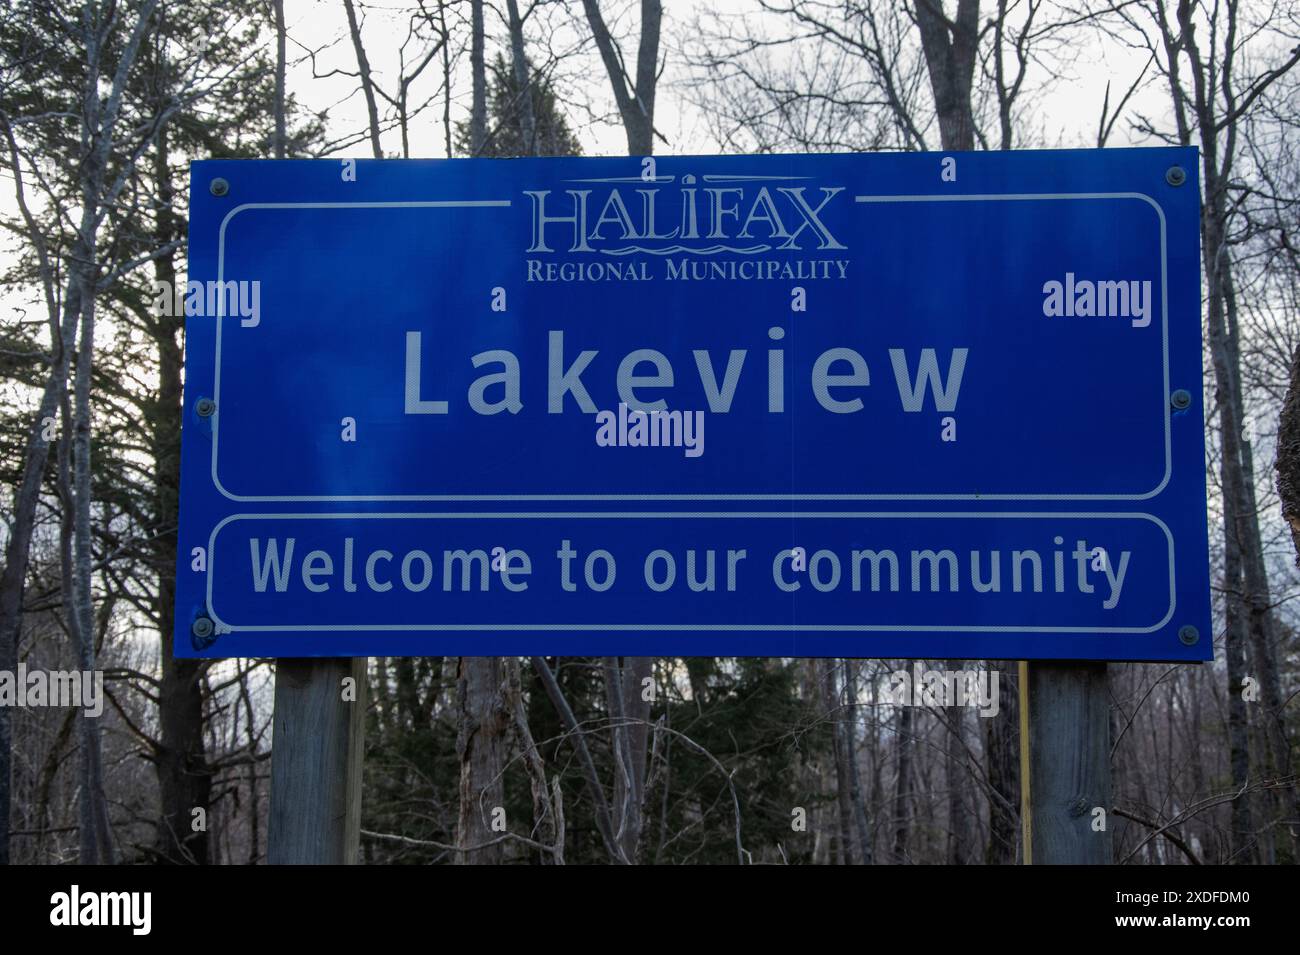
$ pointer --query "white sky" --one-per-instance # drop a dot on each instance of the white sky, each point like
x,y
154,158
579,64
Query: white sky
x,y
1066,116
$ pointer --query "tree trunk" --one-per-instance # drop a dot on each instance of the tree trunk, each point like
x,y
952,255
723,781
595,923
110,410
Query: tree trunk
x,y
903,782
1002,766
843,785
950,52
1288,455
961,827
1259,604
96,836
636,103
478,81
1240,522
26,497
279,148
548,813
367,85
855,778
519,63
180,758
482,724
629,714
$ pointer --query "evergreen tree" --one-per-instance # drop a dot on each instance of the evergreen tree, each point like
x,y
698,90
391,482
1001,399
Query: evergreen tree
x,y
505,131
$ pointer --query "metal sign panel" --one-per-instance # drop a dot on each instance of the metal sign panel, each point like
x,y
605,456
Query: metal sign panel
x,y
904,405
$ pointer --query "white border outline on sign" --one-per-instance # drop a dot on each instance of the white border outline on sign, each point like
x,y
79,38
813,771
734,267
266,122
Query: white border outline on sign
x,y
642,515
499,203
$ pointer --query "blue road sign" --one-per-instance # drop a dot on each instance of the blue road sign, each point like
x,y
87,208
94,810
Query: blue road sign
x,y
903,405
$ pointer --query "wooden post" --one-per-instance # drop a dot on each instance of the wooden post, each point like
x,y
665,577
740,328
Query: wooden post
x,y
317,743
1069,763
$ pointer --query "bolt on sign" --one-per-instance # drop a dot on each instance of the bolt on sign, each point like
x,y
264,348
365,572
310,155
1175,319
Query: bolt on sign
x,y
899,405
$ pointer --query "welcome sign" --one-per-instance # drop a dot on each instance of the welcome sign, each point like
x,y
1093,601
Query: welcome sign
x,y
899,405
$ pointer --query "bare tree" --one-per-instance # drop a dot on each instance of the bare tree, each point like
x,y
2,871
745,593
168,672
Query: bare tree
x,y
634,95
101,101
1211,92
